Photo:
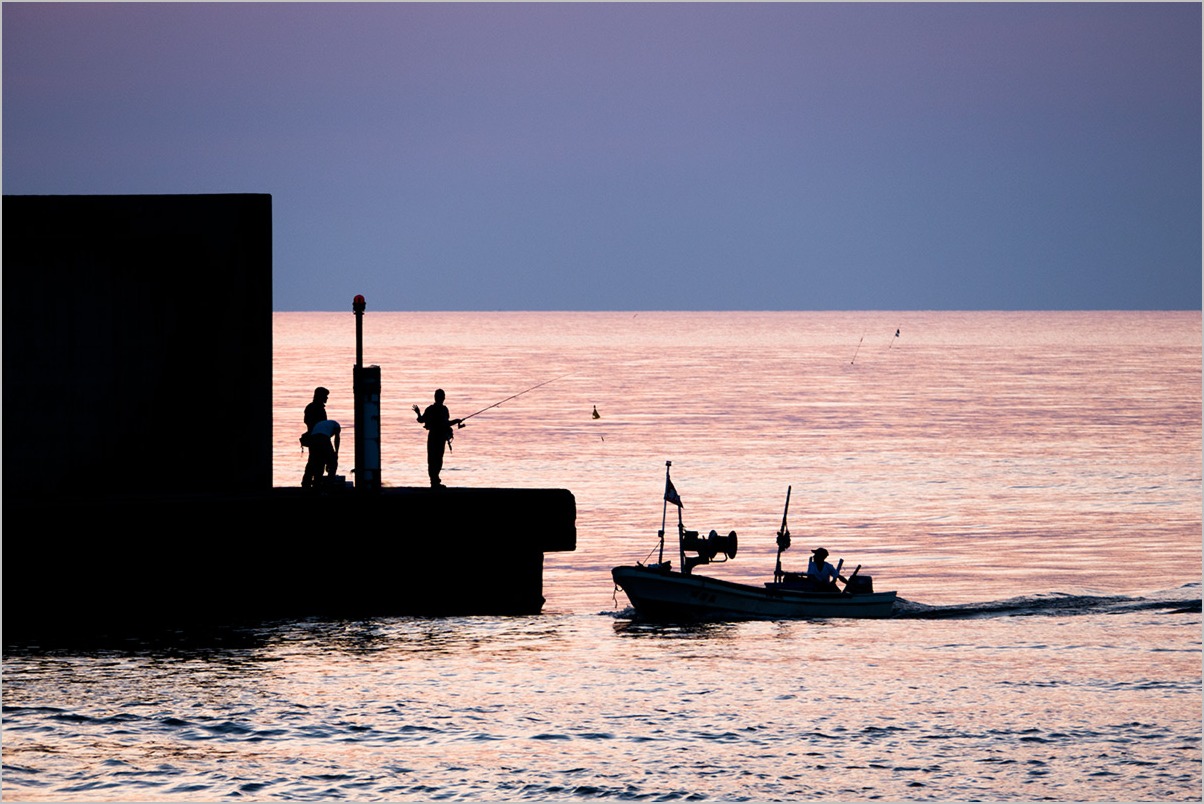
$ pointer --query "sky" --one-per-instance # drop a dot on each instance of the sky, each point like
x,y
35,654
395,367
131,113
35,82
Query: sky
x,y
639,156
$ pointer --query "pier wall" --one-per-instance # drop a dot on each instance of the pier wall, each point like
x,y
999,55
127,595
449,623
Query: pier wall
x,y
106,567
137,344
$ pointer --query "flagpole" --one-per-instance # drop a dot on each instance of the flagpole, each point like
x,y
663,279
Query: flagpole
x,y
664,513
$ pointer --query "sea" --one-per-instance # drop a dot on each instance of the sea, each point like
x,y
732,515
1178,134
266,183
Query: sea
x,y
1028,482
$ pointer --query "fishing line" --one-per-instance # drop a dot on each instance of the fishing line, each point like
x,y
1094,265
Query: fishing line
x,y
858,349
507,399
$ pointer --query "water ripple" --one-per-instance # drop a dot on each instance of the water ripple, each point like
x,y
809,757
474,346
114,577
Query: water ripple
x,y
756,711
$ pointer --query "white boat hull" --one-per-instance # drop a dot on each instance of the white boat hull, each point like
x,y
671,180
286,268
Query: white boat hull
x,y
660,594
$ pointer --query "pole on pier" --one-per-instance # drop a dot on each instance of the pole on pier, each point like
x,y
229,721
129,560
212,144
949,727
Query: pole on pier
x,y
366,382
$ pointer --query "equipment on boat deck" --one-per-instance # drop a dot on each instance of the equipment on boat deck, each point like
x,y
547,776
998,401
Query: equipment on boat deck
x,y
707,548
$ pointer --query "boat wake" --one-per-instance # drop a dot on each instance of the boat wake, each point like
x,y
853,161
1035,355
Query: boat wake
x,y
1183,600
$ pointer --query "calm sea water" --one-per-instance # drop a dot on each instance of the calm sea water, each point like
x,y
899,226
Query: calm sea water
x,y
1030,483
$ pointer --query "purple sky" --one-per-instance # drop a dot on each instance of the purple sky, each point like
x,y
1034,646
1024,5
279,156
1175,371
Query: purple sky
x,y
639,156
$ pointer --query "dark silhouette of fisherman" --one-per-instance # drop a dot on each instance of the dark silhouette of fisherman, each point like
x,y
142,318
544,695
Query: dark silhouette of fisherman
x,y
316,411
438,424
320,450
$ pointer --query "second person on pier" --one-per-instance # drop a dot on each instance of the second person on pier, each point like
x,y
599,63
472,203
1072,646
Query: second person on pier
x,y
438,423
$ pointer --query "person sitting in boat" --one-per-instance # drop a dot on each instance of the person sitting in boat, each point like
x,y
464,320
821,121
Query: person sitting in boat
x,y
819,570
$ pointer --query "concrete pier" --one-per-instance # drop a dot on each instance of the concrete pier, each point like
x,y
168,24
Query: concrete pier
x,y
138,434
116,564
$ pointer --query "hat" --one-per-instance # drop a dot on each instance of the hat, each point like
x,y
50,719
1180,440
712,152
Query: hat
x,y
820,552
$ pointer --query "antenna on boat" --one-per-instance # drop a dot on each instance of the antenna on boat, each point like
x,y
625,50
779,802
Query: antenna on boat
x,y
783,540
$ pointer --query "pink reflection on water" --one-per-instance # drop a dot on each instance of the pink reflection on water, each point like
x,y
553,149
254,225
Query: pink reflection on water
x,y
978,456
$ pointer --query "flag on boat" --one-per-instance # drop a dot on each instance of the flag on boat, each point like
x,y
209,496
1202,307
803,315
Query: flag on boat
x,y
671,494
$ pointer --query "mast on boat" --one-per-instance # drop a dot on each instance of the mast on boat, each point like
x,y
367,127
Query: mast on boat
x,y
707,548
783,540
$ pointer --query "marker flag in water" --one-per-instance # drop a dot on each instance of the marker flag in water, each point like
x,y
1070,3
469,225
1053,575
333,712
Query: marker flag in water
x,y
671,494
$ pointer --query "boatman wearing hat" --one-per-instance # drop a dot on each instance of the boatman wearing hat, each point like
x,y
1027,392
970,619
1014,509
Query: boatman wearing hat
x,y
819,569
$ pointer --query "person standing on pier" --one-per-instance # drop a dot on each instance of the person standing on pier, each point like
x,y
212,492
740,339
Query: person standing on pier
x,y
316,411
438,423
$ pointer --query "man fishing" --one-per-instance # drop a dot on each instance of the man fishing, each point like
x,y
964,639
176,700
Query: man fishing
x,y
438,424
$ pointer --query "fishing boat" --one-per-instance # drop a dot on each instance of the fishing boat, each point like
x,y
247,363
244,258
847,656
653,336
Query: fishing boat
x,y
659,592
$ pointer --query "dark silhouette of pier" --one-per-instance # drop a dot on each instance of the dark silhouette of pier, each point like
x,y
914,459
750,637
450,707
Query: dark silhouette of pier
x,y
137,445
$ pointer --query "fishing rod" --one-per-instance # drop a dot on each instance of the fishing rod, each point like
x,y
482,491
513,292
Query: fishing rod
x,y
507,399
